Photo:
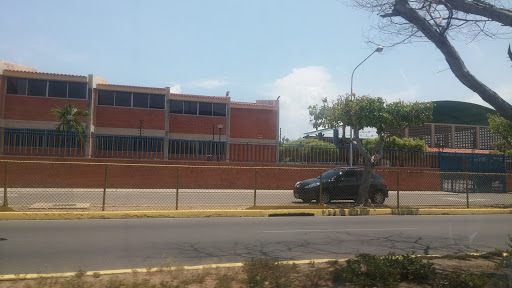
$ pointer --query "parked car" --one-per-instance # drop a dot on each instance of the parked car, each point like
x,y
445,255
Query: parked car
x,y
340,184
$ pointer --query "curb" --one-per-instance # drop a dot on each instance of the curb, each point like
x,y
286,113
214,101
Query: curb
x,y
11,277
242,213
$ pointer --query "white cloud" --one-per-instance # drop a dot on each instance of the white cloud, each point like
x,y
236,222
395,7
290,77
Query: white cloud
x,y
208,84
176,88
410,94
299,89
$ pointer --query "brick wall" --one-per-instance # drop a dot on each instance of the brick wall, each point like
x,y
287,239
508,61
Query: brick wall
x,y
123,117
217,175
36,108
253,123
190,124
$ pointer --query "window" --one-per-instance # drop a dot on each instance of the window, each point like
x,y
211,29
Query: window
x,y
16,86
77,90
106,97
219,109
190,107
123,99
157,101
140,100
57,89
205,109
37,87
198,108
176,107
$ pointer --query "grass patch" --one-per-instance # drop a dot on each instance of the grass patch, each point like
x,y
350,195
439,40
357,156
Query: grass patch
x,y
364,270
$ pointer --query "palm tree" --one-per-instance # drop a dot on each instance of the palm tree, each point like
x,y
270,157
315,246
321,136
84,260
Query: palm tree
x,y
69,118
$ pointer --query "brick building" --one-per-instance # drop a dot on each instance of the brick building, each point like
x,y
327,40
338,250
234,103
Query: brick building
x,y
131,121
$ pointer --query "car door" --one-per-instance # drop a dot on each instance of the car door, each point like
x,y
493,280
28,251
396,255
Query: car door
x,y
349,185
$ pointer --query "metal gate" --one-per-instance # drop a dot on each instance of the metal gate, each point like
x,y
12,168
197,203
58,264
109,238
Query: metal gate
x,y
471,172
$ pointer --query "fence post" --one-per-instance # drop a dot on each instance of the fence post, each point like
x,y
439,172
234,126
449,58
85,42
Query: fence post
x,y
105,188
320,196
255,185
397,189
467,190
177,186
6,204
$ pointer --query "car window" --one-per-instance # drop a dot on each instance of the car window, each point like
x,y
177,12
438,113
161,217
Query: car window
x,y
329,174
350,175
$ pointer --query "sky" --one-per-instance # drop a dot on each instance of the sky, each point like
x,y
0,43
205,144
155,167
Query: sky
x,y
300,50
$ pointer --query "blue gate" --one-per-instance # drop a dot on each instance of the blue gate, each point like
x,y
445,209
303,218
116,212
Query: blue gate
x,y
471,172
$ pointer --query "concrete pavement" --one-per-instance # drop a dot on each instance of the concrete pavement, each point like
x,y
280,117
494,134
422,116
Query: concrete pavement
x,y
67,246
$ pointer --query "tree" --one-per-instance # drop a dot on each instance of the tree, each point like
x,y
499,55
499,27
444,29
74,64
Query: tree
x,y
74,124
364,112
396,143
503,128
404,21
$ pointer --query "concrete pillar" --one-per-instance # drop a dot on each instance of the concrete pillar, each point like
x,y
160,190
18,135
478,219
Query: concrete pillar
x,y
477,136
91,85
3,91
277,131
432,135
452,137
406,132
167,117
228,128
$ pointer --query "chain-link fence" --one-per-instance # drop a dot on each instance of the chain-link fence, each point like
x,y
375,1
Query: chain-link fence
x,y
84,186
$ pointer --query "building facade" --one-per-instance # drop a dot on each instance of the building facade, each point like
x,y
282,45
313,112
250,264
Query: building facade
x,y
131,121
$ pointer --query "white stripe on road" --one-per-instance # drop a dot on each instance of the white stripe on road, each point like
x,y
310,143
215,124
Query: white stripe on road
x,y
339,230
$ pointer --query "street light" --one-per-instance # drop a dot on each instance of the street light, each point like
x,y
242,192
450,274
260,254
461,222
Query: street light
x,y
378,50
220,126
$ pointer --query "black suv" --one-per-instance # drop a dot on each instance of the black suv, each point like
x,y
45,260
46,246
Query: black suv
x,y
340,184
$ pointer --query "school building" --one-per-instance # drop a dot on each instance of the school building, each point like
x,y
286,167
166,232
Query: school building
x,y
131,121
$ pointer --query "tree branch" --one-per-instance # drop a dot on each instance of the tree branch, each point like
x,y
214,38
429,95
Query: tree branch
x,y
484,9
453,59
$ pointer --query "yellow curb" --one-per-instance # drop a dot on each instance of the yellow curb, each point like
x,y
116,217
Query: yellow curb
x,y
241,213
10,277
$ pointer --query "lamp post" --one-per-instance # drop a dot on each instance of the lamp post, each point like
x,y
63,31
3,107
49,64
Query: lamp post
x,y
220,126
378,50
69,118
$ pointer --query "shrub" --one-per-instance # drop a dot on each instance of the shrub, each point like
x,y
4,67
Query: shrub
x,y
397,143
469,280
264,272
386,271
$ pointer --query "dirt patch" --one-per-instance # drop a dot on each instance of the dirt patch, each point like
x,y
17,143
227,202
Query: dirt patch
x,y
302,275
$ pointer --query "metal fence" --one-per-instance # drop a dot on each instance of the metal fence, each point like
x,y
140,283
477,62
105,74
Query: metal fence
x,y
52,143
77,186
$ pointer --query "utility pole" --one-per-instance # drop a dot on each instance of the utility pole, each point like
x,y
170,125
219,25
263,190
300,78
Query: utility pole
x,y
141,127
141,131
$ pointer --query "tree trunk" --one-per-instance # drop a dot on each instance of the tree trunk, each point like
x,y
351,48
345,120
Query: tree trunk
x,y
362,195
403,9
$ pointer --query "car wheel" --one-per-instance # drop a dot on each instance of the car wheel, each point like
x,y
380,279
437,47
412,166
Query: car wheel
x,y
326,198
306,200
378,197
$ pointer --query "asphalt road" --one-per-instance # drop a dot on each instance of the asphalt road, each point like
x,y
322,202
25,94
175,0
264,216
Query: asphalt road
x,y
67,246
22,199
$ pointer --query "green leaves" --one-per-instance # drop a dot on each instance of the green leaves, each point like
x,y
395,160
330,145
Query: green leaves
x,y
501,127
74,124
362,112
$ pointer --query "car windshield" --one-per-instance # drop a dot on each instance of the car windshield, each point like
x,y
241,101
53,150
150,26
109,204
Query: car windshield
x,y
329,174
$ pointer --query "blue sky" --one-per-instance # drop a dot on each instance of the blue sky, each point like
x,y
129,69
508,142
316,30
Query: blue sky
x,y
301,50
